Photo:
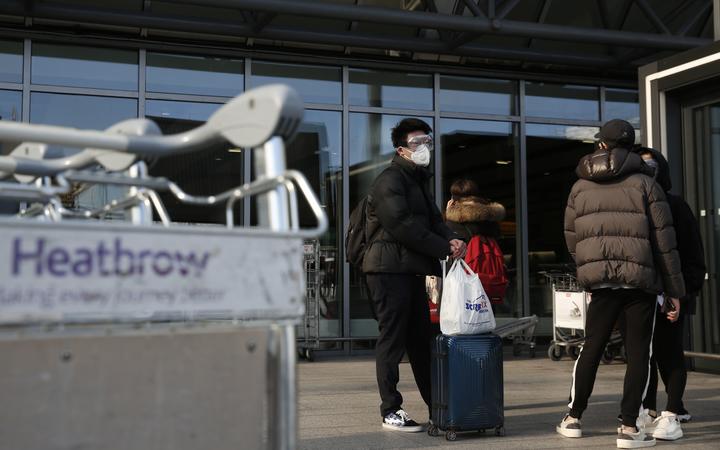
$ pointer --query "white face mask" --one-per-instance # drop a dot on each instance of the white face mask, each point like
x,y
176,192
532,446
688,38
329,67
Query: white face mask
x,y
652,163
421,155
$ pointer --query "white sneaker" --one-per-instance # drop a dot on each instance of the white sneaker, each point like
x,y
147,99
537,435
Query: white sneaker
x,y
645,420
401,421
667,427
638,439
570,427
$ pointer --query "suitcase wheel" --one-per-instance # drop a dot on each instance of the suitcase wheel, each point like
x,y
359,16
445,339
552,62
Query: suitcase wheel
x,y
482,431
450,435
432,430
500,431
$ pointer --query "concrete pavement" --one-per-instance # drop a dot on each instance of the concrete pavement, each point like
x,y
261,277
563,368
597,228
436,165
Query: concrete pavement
x,y
338,408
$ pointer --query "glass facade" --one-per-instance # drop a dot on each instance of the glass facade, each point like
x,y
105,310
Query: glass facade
x,y
562,101
87,67
483,128
201,75
553,152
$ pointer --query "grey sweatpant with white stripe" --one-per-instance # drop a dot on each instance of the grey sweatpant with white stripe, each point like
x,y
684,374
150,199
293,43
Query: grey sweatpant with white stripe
x,y
605,309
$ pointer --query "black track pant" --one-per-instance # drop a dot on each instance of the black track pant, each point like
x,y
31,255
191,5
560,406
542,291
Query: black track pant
x,y
668,357
605,308
401,308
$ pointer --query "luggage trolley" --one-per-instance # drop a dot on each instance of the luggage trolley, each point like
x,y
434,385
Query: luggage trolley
x,y
311,323
570,304
144,335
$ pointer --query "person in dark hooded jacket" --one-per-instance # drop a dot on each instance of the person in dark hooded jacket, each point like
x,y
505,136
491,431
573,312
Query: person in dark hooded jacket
x,y
618,228
668,353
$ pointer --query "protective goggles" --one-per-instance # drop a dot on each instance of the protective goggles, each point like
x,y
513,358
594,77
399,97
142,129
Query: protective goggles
x,y
415,141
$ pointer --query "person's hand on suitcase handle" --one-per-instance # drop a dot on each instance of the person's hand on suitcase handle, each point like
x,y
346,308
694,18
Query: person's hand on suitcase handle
x,y
457,248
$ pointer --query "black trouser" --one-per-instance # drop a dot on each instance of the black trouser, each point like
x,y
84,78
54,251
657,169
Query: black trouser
x,y
401,308
669,358
605,308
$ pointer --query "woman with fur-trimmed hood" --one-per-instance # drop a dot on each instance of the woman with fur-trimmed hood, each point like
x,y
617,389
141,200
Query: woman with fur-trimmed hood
x,y
468,214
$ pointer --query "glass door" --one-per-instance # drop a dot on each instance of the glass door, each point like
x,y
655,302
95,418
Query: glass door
x,y
701,141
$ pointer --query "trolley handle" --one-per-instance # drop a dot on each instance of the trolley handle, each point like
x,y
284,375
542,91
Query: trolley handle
x,y
248,120
288,181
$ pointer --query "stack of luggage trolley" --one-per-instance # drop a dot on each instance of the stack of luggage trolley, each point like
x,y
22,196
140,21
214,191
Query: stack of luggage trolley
x,y
310,339
149,334
570,305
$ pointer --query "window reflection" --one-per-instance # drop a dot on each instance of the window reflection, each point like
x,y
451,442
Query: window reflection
x,y
391,89
562,101
87,112
371,151
210,171
180,110
622,104
477,95
10,109
315,84
10,104
553,152
316,152
484,152
80,111
102,68
186,74
11,61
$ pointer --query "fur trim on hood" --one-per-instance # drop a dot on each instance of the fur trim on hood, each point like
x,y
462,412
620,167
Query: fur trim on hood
x,y
474,209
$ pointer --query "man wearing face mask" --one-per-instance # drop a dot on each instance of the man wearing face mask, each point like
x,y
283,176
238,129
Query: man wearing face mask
x,y
409,238
668,353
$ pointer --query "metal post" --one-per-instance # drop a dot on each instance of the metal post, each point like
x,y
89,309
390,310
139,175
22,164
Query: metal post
x,y
142,214
282,407
273,206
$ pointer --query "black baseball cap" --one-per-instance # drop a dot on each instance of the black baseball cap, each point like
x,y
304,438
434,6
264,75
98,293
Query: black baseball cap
x,y
617,131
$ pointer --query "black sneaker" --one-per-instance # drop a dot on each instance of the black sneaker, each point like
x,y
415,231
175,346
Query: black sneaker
x,y
401,421
637,439
684,416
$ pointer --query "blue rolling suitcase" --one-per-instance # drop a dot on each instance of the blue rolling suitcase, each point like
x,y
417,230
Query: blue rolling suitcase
x,y
467,385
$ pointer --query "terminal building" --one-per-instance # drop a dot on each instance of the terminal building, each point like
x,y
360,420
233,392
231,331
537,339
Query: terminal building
x,y
514,90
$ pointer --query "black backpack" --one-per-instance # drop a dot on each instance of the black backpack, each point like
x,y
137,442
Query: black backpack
x,y
356,241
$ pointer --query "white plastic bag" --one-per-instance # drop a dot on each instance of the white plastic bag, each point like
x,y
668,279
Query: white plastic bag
x,y
465,308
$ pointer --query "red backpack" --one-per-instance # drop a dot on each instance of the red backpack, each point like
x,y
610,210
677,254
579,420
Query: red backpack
x,y
486,259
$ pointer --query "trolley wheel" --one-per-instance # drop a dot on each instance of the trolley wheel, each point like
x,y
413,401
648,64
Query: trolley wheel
x,y
555,352
500,431
309,354
573,351
531,350
450,435
301,353
432,430
481,431
608,356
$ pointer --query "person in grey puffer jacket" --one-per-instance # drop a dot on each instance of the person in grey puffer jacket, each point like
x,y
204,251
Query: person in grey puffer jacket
x,y
619,230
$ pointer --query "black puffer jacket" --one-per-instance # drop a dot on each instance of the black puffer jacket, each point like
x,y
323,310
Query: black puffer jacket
x,y
687,230
474,216
406,230
618,226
